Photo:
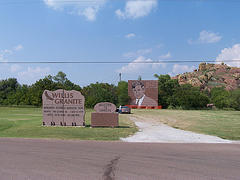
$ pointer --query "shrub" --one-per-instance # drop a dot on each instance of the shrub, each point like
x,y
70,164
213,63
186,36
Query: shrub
x,y
220,97
189,97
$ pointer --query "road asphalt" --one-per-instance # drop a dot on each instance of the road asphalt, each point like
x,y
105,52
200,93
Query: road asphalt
x,y
47,159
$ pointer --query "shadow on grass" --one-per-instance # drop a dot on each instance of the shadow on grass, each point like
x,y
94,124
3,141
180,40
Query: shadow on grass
x,y
109,127
88,126
123,127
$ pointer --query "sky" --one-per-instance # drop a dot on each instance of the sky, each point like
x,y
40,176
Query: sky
x,y
115,30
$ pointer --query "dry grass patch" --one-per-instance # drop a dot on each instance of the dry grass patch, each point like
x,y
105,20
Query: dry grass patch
x,y
225,124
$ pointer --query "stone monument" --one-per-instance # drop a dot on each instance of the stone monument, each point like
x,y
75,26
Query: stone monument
x,y
105,115
63,108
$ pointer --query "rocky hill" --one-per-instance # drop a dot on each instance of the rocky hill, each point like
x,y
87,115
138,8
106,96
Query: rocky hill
x,y
208,76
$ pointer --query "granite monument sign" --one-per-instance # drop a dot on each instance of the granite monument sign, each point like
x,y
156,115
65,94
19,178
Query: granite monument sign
x,y
63,108
105,107
105,115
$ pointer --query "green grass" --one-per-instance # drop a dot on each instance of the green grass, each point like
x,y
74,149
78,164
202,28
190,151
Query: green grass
x,y
26,123
224,124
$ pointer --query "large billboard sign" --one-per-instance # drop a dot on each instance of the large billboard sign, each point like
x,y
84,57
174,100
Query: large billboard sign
x,y
63,108
143,92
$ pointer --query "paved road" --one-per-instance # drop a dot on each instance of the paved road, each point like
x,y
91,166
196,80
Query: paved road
x,y
29,159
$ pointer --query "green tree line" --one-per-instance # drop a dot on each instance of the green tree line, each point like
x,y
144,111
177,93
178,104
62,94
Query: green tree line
x,y
171,94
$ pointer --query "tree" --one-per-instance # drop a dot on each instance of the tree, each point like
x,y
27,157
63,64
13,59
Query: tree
x,y
62,82
59,81
235,99
60,78
220,97
19,97
122,93
7,88
189,97
166,89
99,92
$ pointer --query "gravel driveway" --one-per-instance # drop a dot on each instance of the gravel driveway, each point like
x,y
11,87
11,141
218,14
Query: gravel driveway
x,y
152,131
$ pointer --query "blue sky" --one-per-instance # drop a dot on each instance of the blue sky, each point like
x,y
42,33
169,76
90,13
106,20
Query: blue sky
x,y
115,30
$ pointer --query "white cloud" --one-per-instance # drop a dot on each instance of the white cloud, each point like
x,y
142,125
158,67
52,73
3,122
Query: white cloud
x,y
6,52
87,8
1,56
144,51
140,64
90,13
15,67
24,75
209,37
165,56
119,13
178,69
33,74
206,37
136,8
131,35
232,53
159,64
138,53
18,47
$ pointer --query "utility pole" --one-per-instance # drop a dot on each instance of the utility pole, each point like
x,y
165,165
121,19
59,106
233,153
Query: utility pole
x,y
120,77
139,78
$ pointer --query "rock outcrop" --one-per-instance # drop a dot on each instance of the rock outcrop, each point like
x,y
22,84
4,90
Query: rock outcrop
x,y
208,76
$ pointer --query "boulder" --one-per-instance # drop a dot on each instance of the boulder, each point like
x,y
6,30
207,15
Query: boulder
x,y
203,78
236,76
209,75
202,67
195,82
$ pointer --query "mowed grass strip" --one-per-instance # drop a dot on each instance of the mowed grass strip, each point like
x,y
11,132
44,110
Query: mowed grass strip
x,y
224,124
27,123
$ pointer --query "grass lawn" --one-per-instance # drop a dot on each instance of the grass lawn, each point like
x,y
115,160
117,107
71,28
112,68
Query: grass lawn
x,y
224,124
26,123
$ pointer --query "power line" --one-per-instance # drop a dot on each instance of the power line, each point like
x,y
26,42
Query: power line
x,y
41,1
56,1
9,2
117,62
